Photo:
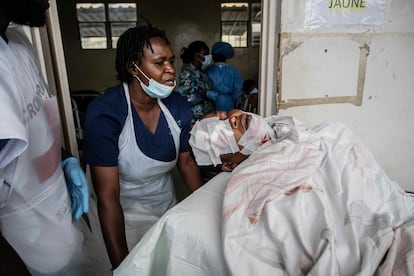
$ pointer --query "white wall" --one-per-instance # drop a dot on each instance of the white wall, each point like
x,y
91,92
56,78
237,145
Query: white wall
x,y
384,120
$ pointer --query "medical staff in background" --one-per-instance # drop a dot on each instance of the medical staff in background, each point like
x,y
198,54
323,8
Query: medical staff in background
x,y
135,134
225,79
38,207
193,83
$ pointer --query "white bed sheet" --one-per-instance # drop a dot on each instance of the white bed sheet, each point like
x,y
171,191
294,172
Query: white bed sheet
x,y
186,240
320,207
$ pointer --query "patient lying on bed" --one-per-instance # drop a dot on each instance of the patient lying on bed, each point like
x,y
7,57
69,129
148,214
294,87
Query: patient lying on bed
x,y
316,203
299,200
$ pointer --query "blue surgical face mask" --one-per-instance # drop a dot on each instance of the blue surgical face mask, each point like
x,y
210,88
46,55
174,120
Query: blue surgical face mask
x,y
155,89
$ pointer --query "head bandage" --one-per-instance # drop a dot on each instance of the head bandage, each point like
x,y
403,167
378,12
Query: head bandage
x,y
258,133
211,138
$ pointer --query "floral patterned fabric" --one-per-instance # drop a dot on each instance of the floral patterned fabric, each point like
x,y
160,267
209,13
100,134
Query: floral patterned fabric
x,y
193,85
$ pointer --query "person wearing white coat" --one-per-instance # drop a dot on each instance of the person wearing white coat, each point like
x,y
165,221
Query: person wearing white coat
x,y
41,198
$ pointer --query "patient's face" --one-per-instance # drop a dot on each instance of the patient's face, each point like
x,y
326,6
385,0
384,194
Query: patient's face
x,y
239,121
250,132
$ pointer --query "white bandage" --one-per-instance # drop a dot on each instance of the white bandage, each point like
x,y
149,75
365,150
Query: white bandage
x,y
211,138
257,134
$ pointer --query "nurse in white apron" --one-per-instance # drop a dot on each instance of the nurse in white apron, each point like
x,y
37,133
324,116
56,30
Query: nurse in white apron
x,y
147,188
135,134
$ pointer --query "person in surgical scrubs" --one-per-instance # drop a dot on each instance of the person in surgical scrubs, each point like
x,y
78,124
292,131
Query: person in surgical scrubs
x,y
135,134
39,236
225,79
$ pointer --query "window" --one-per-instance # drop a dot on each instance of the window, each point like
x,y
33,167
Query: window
x,y
241,23
101,24
256,21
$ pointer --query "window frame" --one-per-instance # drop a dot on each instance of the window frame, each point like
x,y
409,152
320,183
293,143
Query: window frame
x,y
107,22
249,21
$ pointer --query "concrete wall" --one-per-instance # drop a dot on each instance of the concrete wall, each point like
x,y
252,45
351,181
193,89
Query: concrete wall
x,y
184,21
324,65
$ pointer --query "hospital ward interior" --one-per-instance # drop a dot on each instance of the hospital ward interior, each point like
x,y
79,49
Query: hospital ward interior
x,y
324,184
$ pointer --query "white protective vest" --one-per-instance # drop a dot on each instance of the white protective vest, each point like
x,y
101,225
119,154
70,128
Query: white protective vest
x,y
35,207
147,188
35,214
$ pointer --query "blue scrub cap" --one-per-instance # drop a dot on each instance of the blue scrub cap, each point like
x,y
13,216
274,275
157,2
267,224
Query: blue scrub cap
x,y
223,48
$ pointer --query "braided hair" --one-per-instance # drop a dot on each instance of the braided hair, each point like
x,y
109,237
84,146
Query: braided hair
x,y
131,45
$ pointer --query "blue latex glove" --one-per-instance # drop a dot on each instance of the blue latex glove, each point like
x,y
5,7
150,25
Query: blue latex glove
x,y
77,186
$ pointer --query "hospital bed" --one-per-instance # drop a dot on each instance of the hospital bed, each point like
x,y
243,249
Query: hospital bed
x,y
321,206
186,240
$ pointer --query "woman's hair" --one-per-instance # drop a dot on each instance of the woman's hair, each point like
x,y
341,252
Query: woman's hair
x,y
131,45
187,53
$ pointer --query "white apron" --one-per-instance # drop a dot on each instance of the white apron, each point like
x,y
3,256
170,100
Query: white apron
x,y
147,188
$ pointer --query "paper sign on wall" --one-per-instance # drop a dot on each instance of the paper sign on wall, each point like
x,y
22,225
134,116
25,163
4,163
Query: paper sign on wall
x,y
324,13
